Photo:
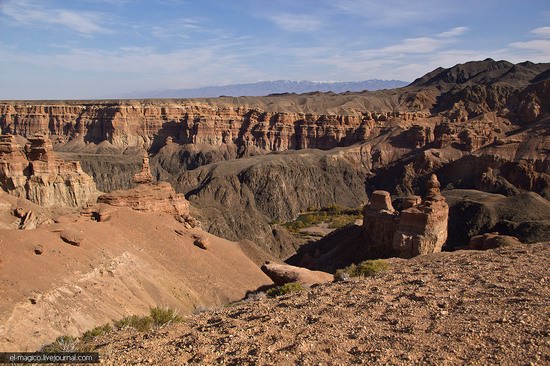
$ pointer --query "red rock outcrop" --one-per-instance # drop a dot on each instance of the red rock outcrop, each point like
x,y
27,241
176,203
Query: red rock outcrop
x,y
148,197
39,177
159,197
420,228
144,175
380,222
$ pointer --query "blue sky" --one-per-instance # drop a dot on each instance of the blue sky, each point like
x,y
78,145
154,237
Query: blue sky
x,y
52,49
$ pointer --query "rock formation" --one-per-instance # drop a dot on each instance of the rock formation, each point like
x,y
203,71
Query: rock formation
x,y
144,176
420,228
37,176
380,222
12,166
148,197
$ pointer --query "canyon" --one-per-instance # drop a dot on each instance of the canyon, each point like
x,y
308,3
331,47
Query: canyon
x,y
481,125
195,192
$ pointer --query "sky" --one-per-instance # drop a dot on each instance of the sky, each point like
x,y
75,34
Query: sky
x,y
53,49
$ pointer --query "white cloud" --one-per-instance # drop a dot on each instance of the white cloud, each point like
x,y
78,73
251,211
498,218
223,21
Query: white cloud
x,y
27,12
455,32
296,22
542,45
413,45
542,32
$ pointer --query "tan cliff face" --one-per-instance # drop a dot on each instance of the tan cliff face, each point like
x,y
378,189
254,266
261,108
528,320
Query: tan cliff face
x,y
39,177
146,125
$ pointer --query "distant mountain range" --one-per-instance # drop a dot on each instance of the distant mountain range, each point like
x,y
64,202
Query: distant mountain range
x,y
267,87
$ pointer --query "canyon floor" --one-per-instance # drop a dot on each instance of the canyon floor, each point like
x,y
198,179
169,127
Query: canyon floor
x,y
464,307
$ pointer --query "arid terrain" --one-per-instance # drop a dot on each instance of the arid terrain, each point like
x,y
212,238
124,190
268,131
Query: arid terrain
x,y
466,307
110,208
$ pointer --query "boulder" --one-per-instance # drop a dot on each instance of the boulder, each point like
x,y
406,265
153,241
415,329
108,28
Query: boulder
x,y
491,241
284,273
72,237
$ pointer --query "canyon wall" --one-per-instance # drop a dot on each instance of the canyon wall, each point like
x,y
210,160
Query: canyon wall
x,y
150,126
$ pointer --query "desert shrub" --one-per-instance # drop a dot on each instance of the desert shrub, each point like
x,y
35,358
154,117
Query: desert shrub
x,y
64,343
341,221
141,323
367,268
162,316
287,288
336,216
96,332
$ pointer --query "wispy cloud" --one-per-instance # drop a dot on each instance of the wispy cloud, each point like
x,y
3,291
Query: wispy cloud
x,y
455,32
178,28
542,32
296,22
390,12
30,13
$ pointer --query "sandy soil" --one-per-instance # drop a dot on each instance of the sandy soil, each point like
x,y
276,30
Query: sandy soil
x,y
123,266
465,307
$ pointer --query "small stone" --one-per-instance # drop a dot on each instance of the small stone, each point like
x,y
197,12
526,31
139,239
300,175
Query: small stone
x,y
202,243
38,250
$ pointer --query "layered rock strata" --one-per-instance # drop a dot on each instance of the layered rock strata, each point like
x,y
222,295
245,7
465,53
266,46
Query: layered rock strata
x,y
38,176
420,228
148,197
193,122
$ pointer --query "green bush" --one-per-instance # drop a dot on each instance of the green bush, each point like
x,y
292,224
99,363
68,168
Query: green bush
x,y
163,316
96,332
369,268
141,323
287,288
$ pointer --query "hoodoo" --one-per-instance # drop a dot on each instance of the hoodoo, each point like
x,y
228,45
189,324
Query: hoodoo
x,y
420,228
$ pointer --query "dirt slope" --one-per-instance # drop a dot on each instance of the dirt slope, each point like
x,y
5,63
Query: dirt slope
x,y
465,307
123,266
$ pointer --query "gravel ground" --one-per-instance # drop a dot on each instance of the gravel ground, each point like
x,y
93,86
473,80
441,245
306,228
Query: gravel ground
x,y
465,307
